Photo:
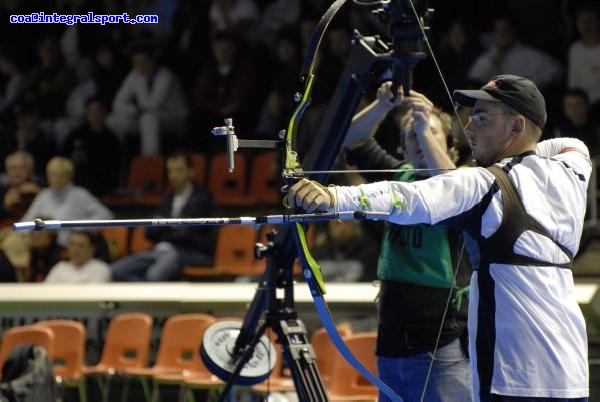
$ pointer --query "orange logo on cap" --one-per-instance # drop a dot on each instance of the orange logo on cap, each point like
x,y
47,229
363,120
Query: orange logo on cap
x,y
492,84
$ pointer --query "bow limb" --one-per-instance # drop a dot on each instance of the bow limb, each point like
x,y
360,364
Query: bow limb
x,y
291,164
312,274
292,170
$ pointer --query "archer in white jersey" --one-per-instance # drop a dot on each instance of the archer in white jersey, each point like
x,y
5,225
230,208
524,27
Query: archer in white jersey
x,y
522,218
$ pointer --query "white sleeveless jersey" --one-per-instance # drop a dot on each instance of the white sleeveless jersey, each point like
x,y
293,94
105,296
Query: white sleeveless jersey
x,y
527,332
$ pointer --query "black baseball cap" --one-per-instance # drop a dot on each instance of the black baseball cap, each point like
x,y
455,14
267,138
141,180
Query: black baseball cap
x,y
517,92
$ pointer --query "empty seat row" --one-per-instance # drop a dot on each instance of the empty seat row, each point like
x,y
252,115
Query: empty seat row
x,y
126,353
235,252
254,181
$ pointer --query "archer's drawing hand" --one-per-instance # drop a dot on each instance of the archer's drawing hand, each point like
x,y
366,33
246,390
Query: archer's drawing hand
x,y
311,196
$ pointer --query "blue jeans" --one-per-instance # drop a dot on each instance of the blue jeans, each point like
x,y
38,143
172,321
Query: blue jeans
x,y
499,398
156,265
449,381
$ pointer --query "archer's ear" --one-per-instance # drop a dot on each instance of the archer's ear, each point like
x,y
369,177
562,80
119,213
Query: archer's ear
x,y
517,126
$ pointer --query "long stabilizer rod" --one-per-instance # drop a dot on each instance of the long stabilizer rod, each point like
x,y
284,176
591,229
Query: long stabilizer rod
x,y
39,224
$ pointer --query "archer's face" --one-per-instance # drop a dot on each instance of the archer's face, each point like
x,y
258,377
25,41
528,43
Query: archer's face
x,y
488,133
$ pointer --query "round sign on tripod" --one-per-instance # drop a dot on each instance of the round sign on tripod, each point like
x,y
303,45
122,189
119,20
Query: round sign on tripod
x,y
217,353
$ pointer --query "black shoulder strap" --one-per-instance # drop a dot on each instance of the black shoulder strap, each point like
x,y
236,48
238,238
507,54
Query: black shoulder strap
x,y
515,221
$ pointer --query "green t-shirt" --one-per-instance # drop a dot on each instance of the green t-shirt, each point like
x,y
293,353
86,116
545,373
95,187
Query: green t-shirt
x,y
417,254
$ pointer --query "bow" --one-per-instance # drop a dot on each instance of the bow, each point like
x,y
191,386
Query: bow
x,y
293,170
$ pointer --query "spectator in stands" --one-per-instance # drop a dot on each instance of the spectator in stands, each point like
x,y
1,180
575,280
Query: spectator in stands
x,y
274,114
456,54
44,253
10,68
149,102
175,246
332,62
306,27
50,82
20,188
284,69
232,15
280,77
74,114
346,252
82,266
224,87
188,43
64,201
94,150
273,18
578,122
29,136
584,54
110,72
509,56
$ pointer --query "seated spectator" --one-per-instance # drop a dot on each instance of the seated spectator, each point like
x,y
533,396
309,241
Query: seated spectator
x,y
274,114
14,256
94,150
7,270
81,267
509,56
273,18
224,88
110,72
578,122
149,102
75,105
332,62
29,136
175,246
584,53
9,67
20,187
456,53
232,15
283,69
64,201
44,253
50,82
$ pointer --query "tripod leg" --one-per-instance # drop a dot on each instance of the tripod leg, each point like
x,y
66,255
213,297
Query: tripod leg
x,y
302,361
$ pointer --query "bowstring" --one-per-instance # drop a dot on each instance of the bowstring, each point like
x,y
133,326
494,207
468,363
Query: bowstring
x,y
456,270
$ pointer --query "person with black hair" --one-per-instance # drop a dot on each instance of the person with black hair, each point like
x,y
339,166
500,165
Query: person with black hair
x,y
175,247
508,55
521,212
149,102
92,147
578,120
82,266
584,53
10,67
